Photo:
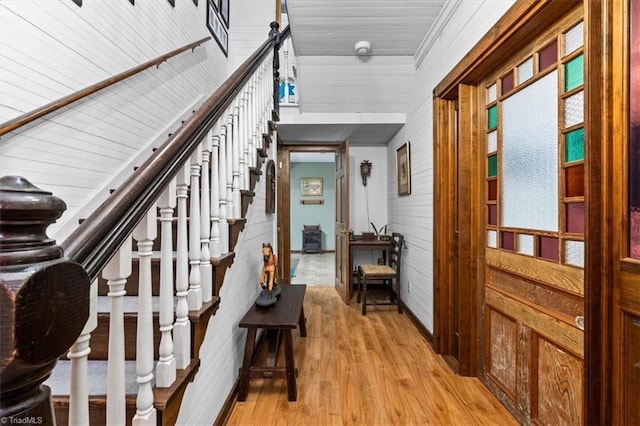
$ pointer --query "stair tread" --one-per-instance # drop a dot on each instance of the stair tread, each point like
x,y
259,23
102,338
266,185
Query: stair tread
x,y
97,380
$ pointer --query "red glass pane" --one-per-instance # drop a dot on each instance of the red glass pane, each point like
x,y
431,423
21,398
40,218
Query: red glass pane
x,y
574,181
548,56
507,83
508,240
575,218
548,248
493,214
493,189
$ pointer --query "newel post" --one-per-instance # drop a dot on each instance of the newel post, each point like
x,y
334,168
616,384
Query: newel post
x,y
44,301
276,65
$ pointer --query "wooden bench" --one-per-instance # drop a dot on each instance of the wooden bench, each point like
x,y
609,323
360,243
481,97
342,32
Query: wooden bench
x,y
278,321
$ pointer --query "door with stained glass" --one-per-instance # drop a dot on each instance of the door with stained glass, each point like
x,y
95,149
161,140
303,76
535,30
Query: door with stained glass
x,y
534,242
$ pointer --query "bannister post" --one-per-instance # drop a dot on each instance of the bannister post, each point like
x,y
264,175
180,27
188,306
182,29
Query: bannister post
x,y
44,300
274,33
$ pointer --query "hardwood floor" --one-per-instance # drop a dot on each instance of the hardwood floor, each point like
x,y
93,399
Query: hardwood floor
x,y
372,370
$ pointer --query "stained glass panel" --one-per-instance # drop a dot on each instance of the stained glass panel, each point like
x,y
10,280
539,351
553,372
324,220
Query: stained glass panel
x,y
508,242
492,117
574,73
548,56
492,142
575,218
574,181
493,214
525,244
574,146
492,239
548,248
634,133
525,70
529,157
492,189
492,93
507,83
574,109
573,39
574,253
492,166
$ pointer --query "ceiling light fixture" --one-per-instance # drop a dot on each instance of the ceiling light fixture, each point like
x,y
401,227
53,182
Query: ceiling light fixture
x,y
363,48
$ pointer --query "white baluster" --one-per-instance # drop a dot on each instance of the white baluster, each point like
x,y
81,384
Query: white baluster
x,y
182,326
236,164
216,251
205,223
259,108
166,367
230,132
145,233
222,174
251,121
79,358
242,142
116,273
195,277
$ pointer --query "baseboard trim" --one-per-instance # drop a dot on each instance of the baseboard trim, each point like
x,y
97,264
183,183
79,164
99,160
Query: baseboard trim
x,y
416,322
227,407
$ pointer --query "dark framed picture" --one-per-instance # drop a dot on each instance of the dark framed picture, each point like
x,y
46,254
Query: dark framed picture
x,y
224,11
217,28
403,159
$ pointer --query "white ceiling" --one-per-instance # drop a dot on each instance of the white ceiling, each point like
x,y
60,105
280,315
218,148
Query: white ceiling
x,y
331,79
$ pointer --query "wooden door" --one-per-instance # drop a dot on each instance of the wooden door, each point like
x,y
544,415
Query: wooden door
x,y
342,221
625,196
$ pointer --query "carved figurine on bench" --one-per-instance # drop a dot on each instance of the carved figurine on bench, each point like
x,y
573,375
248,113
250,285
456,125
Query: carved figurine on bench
x,y
268,281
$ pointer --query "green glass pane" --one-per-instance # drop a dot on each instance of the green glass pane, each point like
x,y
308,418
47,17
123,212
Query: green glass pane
x,y
492,117
574,145
492,166
574,73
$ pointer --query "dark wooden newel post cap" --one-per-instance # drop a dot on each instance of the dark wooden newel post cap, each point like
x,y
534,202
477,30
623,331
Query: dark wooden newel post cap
x,y
44,298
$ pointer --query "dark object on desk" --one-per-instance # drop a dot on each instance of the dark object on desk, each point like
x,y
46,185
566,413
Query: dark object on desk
x,y
388,274
311,239
268,281
278,321
368,236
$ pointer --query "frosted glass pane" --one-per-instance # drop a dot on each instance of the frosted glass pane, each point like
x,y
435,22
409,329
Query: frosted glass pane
x,y
574,109
492,239
573,39
492,142
530,156
574,253
492,93
525,70
525,244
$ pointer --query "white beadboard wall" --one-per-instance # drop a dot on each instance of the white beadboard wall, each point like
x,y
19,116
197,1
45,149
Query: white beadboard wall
x,y
413,214
223,348
249,27
50,49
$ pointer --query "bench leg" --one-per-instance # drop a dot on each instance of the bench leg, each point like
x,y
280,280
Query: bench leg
x,y
364,296
292,390
302,323
245,371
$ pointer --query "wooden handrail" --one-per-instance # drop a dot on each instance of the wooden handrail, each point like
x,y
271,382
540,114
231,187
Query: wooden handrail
x,y
93,243
27,118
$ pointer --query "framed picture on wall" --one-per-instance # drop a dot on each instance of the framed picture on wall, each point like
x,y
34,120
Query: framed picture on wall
x,y
224,11
403,160
311,186
216,27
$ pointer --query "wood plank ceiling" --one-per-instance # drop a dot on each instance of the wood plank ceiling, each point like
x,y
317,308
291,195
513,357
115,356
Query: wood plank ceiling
x,y
332,79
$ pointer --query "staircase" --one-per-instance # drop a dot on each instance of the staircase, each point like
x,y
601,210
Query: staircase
x,y
156,253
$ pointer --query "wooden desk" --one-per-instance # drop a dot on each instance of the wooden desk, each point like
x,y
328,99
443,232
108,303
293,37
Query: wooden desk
x,y
354,245
278,320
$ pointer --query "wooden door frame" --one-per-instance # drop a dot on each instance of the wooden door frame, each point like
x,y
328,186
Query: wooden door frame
x,y
522,22
283,196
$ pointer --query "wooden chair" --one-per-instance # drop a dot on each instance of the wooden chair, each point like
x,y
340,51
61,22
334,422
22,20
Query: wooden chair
x,y
388,274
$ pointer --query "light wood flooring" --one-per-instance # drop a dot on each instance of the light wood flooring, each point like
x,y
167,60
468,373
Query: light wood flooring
x,y
371,370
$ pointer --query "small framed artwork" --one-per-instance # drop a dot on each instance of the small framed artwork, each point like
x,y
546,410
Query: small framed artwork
x,y
311,186
403,159
216,27
224,11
